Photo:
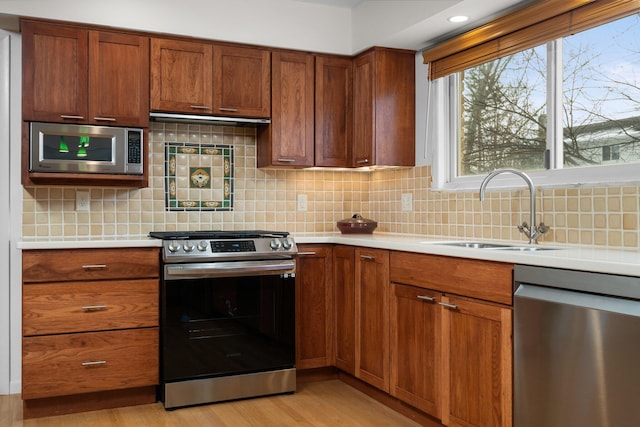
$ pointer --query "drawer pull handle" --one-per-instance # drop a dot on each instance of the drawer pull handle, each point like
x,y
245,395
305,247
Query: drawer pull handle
x,y
200,107
452,306
94,307
426,298
95,363
104,119
306,253
282,159
94,266
363,161
232,110
367,257
67,116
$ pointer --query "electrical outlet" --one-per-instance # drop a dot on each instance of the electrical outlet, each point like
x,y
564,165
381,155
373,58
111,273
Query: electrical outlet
x,y
83,199
302,202
407,202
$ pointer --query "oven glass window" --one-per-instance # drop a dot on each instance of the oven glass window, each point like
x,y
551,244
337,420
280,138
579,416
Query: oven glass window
x,y
224,326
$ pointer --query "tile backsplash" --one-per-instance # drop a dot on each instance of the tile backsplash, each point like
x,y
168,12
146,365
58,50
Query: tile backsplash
x,y
266,199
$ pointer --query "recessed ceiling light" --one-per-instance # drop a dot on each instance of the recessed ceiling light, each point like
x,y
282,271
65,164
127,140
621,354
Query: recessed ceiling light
x,y
458,18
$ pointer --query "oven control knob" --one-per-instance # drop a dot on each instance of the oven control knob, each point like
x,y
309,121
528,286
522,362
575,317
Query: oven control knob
x,y
188,246
287,244
174,247
202,246
275,244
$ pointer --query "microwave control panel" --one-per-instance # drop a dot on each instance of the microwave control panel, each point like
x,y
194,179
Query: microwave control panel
x,y
134,150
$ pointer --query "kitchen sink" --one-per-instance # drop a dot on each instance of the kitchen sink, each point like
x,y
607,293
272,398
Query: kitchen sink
x,y
494,246
474,245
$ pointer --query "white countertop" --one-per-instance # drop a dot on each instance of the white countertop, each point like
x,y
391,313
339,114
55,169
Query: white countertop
x,y
586,258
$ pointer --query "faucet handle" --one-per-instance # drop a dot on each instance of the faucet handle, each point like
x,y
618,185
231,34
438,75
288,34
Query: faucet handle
x,y
542,228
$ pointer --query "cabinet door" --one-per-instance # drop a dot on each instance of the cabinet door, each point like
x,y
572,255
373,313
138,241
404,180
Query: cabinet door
x,y
415,347
181,76
345,308
372,316
313,307
334,111
477,362
54,73
118,79
363,103
288,140
241,81
384,106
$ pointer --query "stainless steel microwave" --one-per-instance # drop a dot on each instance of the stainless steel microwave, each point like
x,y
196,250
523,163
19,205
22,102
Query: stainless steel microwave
x,y
68,148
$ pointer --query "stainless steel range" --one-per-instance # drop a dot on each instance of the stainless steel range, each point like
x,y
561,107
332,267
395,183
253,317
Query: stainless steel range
x,y
227,315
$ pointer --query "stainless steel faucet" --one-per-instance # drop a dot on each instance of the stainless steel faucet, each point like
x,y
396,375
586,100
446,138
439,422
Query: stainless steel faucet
x,y
533,232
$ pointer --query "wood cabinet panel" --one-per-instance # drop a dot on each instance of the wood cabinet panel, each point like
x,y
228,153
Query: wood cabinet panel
x,y
58,365
241,81
54,73
314,304
181,76
487,280
477,363
118,79
89,306
345,308
289,139
372,316
384,108
415,347
334,111
50,265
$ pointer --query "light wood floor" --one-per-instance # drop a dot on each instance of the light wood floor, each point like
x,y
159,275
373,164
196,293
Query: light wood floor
x,y
325,403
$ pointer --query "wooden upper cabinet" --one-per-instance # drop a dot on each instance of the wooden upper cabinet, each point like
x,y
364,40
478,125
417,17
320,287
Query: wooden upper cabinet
x,y
241,81
289,140
54,73
334,111
181,76
118,79
74,75
384,108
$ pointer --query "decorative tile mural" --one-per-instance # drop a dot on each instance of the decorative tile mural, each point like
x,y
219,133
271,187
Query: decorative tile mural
x,y
198,177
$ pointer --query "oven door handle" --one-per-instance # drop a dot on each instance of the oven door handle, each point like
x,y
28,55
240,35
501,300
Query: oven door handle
x,y
229,269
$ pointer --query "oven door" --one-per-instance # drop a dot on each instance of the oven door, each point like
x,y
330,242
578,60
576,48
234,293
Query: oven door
x,y
227,318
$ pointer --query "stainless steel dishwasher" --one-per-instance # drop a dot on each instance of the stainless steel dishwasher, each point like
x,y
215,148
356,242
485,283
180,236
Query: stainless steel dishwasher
x,y
576,349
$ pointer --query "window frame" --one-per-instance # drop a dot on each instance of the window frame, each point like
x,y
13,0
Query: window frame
x,y
444,160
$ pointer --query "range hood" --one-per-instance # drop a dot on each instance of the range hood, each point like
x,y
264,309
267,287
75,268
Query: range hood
x,y
209,120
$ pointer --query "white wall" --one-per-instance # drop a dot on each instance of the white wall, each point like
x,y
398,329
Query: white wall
x,y
277,23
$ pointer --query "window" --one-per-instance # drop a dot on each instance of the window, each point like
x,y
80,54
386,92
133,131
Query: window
x,y
505,104
556,95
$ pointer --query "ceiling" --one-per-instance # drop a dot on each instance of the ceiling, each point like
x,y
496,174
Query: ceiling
x,y
415,24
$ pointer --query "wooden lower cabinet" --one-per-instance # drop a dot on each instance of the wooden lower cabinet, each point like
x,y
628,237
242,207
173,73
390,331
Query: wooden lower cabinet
x,y
372,316
415,347
90,329
314,304
476,363
344,308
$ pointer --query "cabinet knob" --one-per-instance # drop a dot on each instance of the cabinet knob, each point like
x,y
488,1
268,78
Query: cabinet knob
x,y
362,161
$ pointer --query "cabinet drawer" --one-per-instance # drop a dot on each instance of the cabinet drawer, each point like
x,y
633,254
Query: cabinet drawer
x,y
56,265
487,280
59,365
89,306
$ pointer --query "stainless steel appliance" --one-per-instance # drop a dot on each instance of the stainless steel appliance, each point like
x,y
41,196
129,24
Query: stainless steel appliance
x,y
227,315
576,349
69,148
